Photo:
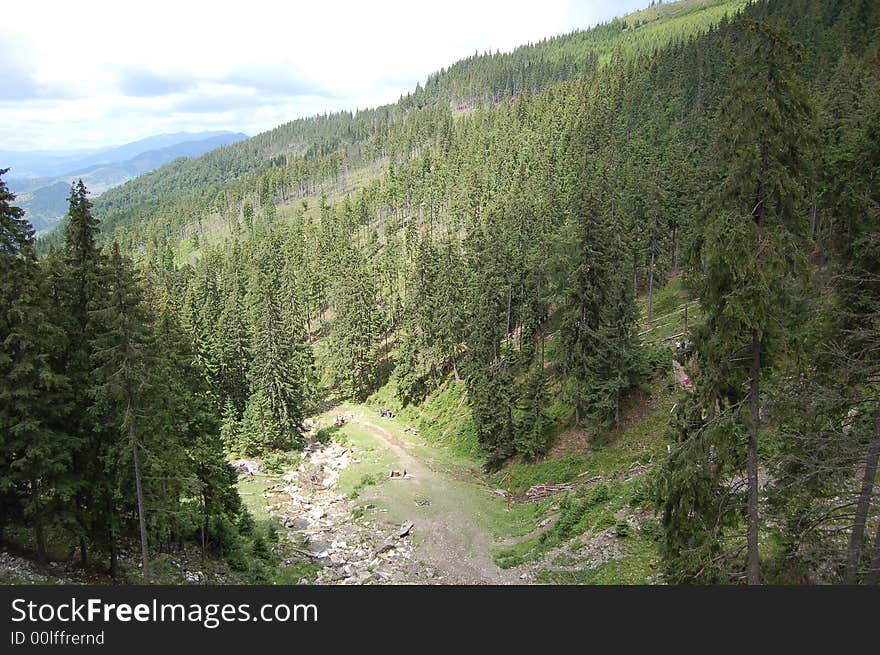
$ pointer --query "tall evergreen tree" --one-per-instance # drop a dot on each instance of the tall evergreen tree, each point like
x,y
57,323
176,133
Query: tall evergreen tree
x,y
75,288
748,261
124,353
34,452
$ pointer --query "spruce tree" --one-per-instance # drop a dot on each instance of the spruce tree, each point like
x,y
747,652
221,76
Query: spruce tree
x,y
279,368
35,451
124,354
749,258
75,289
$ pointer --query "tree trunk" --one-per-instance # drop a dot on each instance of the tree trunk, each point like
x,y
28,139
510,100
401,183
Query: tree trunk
x,y
617,407
204,525
753,571
857,536
675,248
872,577
83,552
38,522
140,501
114,555
651,289
635,275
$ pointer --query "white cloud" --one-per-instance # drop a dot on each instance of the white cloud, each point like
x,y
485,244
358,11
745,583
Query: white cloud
x,y
129,70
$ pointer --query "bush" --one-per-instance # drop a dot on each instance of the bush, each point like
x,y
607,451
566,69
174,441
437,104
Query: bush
x,y
366,480
657,359
650,529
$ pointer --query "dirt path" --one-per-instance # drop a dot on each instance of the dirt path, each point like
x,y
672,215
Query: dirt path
x,y
449,537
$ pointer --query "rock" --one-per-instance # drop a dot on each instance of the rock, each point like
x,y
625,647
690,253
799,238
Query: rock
x,y
246,466
193,577
405,529
385,547
317,547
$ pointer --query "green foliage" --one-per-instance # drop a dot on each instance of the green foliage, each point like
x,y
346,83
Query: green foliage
x,y
112,396
482,244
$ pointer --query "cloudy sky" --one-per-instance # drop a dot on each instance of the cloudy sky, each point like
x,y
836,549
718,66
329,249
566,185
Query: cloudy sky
x,y
97,73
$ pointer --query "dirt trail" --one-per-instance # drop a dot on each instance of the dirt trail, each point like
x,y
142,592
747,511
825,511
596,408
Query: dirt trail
x,y
449,537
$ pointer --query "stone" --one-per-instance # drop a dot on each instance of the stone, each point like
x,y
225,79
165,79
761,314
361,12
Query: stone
x,y
246,466
317,547
384,548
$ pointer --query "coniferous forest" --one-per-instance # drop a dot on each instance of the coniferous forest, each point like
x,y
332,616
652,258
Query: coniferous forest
x,y
628,278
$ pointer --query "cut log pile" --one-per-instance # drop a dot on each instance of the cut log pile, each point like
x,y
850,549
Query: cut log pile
x,y
545,490
539,491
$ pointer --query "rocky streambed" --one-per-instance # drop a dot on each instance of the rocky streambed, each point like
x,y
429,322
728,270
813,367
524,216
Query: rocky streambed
x,y
353,542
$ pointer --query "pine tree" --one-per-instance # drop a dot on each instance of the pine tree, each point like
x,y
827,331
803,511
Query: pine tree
x,y
355,329
124,354
35,452
748,260
75,289
599,316
279,368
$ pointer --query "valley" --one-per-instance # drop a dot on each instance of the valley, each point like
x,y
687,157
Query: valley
x,y
598,309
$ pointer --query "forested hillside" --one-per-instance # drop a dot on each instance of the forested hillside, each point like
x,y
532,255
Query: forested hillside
x,y
500,229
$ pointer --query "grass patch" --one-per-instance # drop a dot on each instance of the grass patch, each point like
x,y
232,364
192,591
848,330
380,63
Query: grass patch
x,y
443,419
638,566
375,460
589,509
251,490
301,572
666,321
635,444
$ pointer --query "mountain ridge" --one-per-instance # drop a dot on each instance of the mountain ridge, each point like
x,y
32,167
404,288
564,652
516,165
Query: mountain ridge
x,y
45,198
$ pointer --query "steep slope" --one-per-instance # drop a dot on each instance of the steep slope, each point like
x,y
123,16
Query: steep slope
x,y
300,159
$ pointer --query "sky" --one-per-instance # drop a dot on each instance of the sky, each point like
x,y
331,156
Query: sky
x,y
105,72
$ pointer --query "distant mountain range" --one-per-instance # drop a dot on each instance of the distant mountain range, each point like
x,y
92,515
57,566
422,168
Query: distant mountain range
x,y
41,180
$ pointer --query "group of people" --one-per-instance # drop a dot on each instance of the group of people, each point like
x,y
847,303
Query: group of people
x,y
339,420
